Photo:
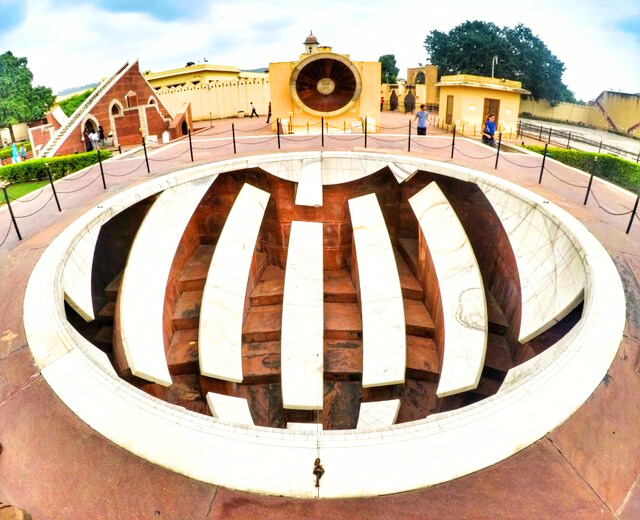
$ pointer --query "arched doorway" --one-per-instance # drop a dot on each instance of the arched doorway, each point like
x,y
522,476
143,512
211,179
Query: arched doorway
x,y
185,128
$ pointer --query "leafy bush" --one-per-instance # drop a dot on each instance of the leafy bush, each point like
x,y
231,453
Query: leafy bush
x,y
619,171
5,152
34,169
70,104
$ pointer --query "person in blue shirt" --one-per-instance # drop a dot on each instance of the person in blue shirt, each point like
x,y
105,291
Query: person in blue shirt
x,y
489,130
421,116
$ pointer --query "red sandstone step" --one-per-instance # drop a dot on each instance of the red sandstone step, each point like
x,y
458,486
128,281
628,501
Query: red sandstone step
x,y
106,314
270,289
487,387
498,356
262,323
411,288
417,319
408,248
182,357
184,391
343,357
187,310
104,335
261,361
422,358
194,274
342,321
338,287
497,322
111,290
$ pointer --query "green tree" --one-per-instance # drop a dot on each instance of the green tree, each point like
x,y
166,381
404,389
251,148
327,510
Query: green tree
x,y
19,100
389,69
470,47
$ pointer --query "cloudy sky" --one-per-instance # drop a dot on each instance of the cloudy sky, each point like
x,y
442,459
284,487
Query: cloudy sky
x,y
74,42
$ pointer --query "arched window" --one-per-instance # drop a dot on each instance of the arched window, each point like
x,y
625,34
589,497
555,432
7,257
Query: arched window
x,y
420,78
131,99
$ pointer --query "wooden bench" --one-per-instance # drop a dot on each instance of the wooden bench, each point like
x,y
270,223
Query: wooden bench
x,y
223,299
302,319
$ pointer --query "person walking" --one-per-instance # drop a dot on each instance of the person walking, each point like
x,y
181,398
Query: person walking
x,y
253,110
489,130
23,153
269,113
421,116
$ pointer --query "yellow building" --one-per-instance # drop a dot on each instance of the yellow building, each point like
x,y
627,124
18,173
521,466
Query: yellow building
x,y
196,74
325,85
467,100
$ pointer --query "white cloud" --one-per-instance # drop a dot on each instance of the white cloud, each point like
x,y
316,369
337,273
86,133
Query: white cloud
x,y
73,45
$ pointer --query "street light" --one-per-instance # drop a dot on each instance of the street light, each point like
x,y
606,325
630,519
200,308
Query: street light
x,y
494,60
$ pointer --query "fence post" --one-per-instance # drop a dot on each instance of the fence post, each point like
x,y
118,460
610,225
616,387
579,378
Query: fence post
x,y
600,148
409,138
453,142
549,137
569,141
638,158
540,136
365,131
322,130
586,197
190,145
633,213
146,160
498,152
120,149
53,188
519,129
278,129
544,158
233,136
13,218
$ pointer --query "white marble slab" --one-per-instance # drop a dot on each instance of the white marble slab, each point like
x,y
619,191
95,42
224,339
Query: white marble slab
x,y
146,275
302,340
304,427
461,291
230,409
309,190
552,274
384,342
221,312
378,414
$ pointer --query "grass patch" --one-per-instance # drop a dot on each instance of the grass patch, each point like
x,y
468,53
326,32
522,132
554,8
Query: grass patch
x,y
621,172
15,191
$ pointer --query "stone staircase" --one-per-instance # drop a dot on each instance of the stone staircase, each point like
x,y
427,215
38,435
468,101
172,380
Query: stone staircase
x,y
50,149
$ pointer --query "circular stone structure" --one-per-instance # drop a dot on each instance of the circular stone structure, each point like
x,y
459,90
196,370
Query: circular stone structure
x,y
535,396
325,84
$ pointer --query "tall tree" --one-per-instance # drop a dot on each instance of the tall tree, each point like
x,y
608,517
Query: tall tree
x,y
389,69
19,100
470,47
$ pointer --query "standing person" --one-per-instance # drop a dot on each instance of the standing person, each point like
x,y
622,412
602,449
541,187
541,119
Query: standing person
x,y
421,116
86,140
15,158
381,103
95,138
101,135
269,113
489,130
23,153
253,110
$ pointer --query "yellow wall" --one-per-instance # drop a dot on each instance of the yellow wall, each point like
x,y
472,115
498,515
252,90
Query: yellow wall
x,y
432,94
469,120
196,73
284,107
420,93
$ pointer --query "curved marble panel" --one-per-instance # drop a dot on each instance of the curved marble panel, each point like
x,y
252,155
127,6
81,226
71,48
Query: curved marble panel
x,y
384,341
230,409
146,275
461,291
221,312
378,414
552,274
303,319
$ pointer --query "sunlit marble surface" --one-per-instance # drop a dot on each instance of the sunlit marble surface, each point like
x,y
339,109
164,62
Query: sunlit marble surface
x,y
461,291
221,312
309,189
378,414
303,319
146,275
230,409
384,343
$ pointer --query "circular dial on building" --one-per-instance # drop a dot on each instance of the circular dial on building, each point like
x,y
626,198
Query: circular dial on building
x,y
325,84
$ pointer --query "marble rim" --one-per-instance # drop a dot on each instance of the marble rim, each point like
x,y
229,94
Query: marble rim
x,y
363,462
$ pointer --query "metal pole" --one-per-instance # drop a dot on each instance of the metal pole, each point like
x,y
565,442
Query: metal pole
x,y
104,184
190,145
55,195
519,129
13,218
120,149
633,213
549,137
210,119
498,152
540,136
569,140
278,125
586,197
146,158
600,147
322,130
409,138
638,157
365,132
544,158
233,135
453,142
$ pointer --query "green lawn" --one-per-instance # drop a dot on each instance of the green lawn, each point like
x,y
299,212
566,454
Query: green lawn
x,y
20,189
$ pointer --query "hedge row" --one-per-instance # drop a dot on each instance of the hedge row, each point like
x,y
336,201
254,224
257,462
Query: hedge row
x,y
619,171
6,152
34,169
